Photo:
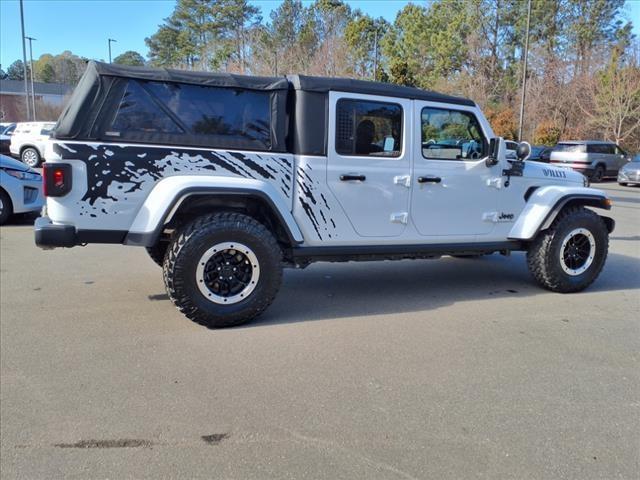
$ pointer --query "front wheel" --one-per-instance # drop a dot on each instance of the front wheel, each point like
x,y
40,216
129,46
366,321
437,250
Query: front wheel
x,y
223,269
6,208
569,255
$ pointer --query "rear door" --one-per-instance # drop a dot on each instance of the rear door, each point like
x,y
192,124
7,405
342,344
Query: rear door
x,y
369,161
454,192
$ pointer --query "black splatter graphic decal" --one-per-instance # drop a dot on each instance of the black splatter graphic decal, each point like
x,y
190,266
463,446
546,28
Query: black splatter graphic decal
x,y
316,207
115,173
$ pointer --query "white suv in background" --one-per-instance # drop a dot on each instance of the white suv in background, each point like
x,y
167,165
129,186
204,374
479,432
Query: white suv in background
x,y
28,142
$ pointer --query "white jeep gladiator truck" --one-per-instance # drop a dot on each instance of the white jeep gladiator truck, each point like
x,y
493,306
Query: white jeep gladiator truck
x,y
227,179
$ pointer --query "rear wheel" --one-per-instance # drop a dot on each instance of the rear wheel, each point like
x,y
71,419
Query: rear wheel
x,y
6,207
30,156
598,174
570,255
223,269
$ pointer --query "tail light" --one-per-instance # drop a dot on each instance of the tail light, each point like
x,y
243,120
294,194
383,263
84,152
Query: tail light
x,y
56,179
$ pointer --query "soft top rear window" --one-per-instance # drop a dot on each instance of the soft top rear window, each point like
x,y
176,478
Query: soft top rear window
x,y
220,117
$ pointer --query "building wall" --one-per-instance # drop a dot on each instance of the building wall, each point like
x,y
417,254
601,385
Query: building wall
x,y
13,108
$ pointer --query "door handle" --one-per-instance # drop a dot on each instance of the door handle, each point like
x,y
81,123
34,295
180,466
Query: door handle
x,y
429,179
352,176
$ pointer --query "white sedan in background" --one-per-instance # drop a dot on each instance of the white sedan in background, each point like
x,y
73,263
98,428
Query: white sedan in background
x,y
20,189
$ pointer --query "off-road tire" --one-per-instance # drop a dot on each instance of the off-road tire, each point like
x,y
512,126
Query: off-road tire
x,y
7,207
31,157
193,240
543,256
598,174
158,251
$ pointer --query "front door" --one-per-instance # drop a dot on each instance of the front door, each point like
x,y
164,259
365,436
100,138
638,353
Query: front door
x,y
369,161
454,192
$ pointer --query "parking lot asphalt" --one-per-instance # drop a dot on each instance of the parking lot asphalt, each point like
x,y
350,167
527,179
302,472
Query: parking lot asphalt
x,y
439,369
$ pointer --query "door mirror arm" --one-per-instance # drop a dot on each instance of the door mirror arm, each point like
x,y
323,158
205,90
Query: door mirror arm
x,y
516,168
492,158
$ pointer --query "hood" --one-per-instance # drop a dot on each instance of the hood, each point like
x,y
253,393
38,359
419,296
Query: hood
x,y
553,174
8,162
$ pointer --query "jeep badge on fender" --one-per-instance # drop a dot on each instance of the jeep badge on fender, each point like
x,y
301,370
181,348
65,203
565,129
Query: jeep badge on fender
x,y
227,179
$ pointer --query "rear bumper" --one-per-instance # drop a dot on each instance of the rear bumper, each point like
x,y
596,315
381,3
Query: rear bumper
x,y
51,235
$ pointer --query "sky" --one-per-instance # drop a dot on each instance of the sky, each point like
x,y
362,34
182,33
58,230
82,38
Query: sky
x,y
83,26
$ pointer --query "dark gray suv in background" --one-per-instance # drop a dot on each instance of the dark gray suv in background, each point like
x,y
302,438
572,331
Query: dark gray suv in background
x,y
594,159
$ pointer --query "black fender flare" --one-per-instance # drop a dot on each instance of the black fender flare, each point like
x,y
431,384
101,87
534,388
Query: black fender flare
x,y
587,200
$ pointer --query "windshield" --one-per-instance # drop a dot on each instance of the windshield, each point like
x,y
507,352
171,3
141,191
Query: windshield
x,y
570,147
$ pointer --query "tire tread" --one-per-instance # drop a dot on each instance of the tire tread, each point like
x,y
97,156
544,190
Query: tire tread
x,y
539,258
201,226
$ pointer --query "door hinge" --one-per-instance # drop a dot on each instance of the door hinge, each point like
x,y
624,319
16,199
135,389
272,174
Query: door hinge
x,y
401,217
494,182
404,180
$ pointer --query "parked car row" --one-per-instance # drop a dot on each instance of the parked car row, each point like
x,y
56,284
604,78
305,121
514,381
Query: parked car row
x,y
21,185
596,160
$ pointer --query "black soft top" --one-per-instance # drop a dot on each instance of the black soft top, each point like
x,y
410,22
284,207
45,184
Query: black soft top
x,y
296,82
210,79
299,103
350,85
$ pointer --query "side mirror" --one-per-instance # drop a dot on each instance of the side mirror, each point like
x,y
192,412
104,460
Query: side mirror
x,y
523,151
492,158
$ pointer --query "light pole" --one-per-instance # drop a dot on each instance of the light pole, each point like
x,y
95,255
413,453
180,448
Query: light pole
x,y
109,42
33,90
375,56
524,72
24,63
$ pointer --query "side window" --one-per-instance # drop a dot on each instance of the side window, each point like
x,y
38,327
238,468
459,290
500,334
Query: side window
x,y
138,112
619,151
220,112
451,135
212,116
609,149
368,128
